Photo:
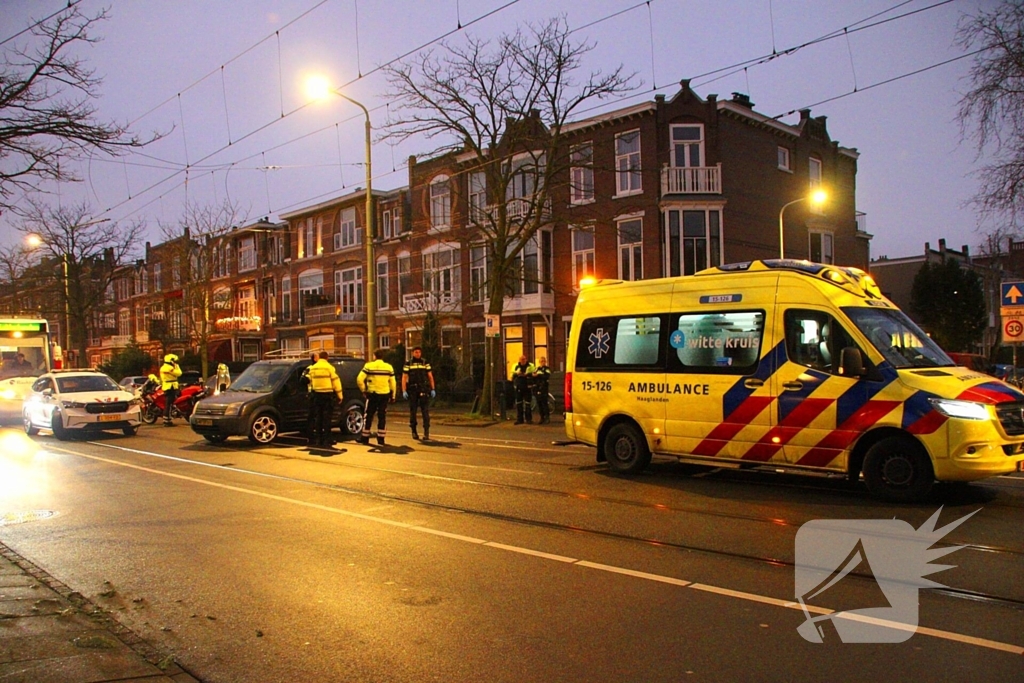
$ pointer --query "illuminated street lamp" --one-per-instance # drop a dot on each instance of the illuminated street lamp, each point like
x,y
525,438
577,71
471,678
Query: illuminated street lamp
x,y
817,198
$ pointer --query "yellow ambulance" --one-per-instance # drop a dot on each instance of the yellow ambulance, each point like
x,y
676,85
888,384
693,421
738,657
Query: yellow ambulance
x,y
786,364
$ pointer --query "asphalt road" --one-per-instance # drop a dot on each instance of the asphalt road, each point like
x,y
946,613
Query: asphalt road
x,y
492,554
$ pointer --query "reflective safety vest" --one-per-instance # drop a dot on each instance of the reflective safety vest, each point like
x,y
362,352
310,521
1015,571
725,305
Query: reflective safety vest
x,y
169,375
418,372
323,378
377,377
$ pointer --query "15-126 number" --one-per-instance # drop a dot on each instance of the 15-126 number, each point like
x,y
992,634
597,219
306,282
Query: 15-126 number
x,y
587,385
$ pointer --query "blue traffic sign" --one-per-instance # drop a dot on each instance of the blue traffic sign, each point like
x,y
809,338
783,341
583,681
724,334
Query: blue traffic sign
x,y
1012,292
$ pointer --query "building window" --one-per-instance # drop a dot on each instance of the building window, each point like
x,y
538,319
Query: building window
x,y
158,279
814,172
348,235
348,290
246,299
385,225
687,145
478,273
269,309
821,247
221,299
396,219
384,340
582,254
383,289
631,249
784,159
694,240
627,163
477,197
307,245
246,254
441,275
440,203
286,298
355,345
404,278
581,161
124,322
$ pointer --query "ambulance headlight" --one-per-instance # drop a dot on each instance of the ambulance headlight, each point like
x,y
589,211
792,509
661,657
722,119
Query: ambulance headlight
x,y
965,410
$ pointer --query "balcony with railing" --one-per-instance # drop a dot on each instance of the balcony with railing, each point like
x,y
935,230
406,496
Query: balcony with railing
x,y
691,180
517,209
434,302
333,313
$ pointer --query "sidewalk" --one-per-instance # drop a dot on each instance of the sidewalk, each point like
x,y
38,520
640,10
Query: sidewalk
x,y
50,634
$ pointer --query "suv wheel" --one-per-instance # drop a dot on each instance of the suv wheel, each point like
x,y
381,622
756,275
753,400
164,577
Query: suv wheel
x,y
263,429
352,420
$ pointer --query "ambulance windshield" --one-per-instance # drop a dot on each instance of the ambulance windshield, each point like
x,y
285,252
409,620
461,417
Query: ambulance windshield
x,y
897,338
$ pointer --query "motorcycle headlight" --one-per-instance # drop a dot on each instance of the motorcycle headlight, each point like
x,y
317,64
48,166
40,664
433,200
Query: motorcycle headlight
x,y
233,409
72,404
965,410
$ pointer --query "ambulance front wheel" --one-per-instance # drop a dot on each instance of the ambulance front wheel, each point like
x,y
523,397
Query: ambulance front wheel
x,y
896,469
625,449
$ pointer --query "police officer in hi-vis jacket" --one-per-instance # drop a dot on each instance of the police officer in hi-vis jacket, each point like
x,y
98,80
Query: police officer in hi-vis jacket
x,y
377,382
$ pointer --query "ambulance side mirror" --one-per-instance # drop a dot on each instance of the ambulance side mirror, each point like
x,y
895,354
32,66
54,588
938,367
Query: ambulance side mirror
x,y
851,363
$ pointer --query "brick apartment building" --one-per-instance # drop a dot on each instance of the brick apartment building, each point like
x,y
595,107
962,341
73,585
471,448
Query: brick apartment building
x,y
663,188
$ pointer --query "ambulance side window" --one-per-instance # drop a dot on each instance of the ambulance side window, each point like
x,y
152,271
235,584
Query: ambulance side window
x,y
620,342
720,342
815,340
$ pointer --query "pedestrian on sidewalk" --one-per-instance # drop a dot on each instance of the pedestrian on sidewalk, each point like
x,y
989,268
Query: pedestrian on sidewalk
x,y
522,383
377,382
324,385
541,380
169,374
418,389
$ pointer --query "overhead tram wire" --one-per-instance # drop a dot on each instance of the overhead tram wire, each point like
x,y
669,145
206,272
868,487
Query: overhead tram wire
x,y
302,107
754,61
855,91
28,28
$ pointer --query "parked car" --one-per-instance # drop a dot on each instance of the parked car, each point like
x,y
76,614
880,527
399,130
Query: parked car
x,y
79,401
974,361
270,398
133,383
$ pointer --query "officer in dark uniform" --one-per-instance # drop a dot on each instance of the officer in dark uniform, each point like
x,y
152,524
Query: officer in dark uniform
x,y
418,389
522,380
541,379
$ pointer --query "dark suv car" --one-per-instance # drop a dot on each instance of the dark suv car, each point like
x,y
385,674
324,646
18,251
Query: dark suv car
x,y
271,398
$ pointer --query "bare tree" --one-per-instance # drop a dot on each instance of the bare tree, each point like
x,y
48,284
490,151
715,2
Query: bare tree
x,y
992,111
15,261
201,254
84,254
46,111
502,106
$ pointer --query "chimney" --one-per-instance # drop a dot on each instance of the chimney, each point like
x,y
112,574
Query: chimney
x,y
804,115
742,99
942,245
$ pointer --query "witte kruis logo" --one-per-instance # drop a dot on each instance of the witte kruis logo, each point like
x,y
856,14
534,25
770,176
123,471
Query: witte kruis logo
x,y
896,554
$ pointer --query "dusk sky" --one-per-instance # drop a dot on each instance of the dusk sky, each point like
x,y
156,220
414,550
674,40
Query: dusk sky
x,y
161,64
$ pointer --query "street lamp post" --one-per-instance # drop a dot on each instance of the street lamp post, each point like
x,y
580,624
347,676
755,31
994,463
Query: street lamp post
x,y
817,197
370,276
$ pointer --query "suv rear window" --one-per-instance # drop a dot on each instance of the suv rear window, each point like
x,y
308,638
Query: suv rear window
x,y
261,377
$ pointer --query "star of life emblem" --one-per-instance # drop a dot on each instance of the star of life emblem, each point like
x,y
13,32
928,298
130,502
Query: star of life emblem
x,y
599,343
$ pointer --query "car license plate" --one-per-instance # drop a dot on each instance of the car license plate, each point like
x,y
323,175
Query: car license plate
x,y
203,421
113,417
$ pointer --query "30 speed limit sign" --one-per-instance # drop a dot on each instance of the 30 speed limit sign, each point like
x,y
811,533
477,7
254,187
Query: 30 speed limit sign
x,y
1013,329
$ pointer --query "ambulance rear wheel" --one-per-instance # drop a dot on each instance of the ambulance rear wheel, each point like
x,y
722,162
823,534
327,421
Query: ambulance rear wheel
x,y
896,469
625,449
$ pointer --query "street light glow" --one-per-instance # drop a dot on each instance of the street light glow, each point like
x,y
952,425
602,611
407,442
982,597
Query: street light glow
x,y
33,240
819,197
318,88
